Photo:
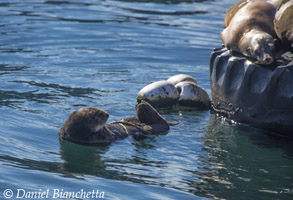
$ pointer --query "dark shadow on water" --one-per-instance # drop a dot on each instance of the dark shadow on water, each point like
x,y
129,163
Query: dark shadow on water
x,y
262,138
244,163
268,139
153,12
67,2
236,163
6,69
79,160
47,93
9,98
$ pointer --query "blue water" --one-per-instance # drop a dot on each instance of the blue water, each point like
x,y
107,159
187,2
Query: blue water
x,y
58,56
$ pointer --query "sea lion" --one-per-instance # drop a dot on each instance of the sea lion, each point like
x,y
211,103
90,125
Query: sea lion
x,y
88,126
192,95
284,22
159,94
180,89
250,30
234,9
180,78
276,3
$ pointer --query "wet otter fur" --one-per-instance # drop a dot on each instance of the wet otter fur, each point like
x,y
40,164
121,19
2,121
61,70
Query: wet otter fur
x,y
88,126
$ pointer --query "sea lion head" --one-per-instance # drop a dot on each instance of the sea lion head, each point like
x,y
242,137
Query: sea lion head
x,y
85,126
258,45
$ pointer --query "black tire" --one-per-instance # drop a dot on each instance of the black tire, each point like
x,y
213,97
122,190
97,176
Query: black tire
x,y
261,96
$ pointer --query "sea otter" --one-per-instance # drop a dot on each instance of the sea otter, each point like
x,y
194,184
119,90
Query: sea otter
x,y
88,126
250,30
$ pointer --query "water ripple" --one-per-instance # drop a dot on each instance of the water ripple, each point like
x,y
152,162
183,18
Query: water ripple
x,y
57,56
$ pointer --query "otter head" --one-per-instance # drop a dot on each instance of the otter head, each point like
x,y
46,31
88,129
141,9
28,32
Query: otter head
x,y
258,45
84,125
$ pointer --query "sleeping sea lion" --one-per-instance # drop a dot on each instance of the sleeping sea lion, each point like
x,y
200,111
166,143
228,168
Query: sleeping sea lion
x,y
234,9
192,95
250,30
88,126
180,78
284,22
276,3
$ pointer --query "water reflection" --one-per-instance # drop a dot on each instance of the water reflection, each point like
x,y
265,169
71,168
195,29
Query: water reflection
x,y
166,1
66,90
239,163
59,55
244,163
6,69
67,2
153,12
138,1
8,98
47,93
94,161
79,159
268,140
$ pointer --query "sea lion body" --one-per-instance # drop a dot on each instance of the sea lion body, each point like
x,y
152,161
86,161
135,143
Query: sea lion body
x,y
284,22
159,94
88,126
180,78
276,3
192,95
250,30
234,9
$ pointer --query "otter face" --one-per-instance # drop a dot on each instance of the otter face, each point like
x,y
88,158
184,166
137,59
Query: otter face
x,y
96,118
83,124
